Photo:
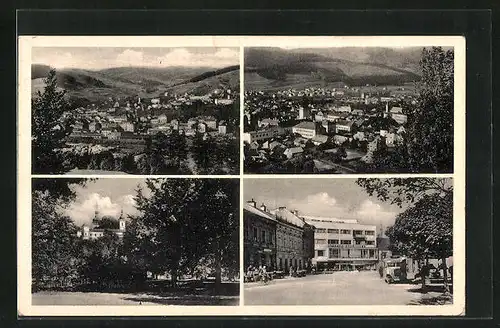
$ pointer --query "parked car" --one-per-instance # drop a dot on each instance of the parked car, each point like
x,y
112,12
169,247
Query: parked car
x,y
394,270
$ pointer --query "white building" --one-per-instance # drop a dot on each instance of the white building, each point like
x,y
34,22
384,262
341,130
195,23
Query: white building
x,y
343,244
305,129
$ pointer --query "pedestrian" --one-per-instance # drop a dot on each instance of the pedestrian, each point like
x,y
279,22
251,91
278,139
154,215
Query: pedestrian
x,y
291,271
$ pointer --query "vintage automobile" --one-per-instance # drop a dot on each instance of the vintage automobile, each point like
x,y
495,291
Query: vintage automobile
x,y
394,270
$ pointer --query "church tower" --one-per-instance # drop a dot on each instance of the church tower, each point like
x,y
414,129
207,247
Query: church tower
x,y
95,220
121,221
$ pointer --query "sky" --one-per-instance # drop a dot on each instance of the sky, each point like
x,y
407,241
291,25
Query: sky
x,y
95,58
110,196
334,198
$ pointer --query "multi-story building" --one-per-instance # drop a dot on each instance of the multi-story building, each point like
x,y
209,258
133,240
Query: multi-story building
x,y
295,240
127,126
343,244
264,134
305,129
304,113
259,236
278,239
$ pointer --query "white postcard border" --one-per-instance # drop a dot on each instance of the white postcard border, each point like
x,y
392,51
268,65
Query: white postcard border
x,y
26,43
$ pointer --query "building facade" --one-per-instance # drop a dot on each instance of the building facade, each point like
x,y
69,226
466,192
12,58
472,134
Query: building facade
x,y
95,230
259,237
295,241
305,129
343,244
278,239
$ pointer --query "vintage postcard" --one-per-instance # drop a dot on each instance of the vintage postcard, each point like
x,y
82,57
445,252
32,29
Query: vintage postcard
x,y
241,175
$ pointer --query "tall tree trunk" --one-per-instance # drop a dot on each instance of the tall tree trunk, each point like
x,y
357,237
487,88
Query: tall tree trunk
x,y
424,273
218,267
445,276
174,278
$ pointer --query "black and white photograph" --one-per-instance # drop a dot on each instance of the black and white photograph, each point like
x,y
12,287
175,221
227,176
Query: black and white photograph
x,y
348,110
167,175
117,110
135,241
348,241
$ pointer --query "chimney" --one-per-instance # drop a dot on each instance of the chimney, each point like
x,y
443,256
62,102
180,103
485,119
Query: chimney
x,y
263,207
252,203
295,212
281,208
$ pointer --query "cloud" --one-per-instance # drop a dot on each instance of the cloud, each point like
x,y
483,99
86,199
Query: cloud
x,y
56,60
183,57
324,205
369,211
130,58
83,211
318,204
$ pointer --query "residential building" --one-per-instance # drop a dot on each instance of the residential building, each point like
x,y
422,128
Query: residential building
x,y
114,135
343,126
343,244
305,129
259,237
292,152
319,139
304,113
400,118
268,122
264,134
345,109
295,241
127,126
319,117
222,128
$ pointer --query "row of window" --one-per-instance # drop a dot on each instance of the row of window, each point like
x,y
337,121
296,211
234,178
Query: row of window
x,y
343,242
337,253
346,231
264,236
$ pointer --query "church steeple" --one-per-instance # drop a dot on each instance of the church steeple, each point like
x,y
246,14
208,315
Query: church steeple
x,y
95,220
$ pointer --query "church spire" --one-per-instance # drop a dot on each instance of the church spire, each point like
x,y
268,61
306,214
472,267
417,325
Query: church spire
x,y
96,214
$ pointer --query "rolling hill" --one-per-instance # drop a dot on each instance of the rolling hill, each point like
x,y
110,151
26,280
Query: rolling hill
x,y
122,82
275,68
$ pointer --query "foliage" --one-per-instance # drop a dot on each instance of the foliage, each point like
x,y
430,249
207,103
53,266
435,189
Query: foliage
x,y
49,128
427,145
425,230
401,191
198,223
430,126
53,242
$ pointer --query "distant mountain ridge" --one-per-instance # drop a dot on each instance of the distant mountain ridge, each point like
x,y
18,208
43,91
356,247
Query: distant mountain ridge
x,y
276,68
121,82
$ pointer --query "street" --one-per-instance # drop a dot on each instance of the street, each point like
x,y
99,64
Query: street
x,y
94,298
339,288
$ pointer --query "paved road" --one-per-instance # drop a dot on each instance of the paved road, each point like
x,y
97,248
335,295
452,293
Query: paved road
x,y
339,288
80,298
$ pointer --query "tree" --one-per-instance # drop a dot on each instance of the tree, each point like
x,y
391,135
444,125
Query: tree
x,y
49,128
425,230
401,191
220,203
201,152
54,251
428,143
159,234
430,125
183,223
